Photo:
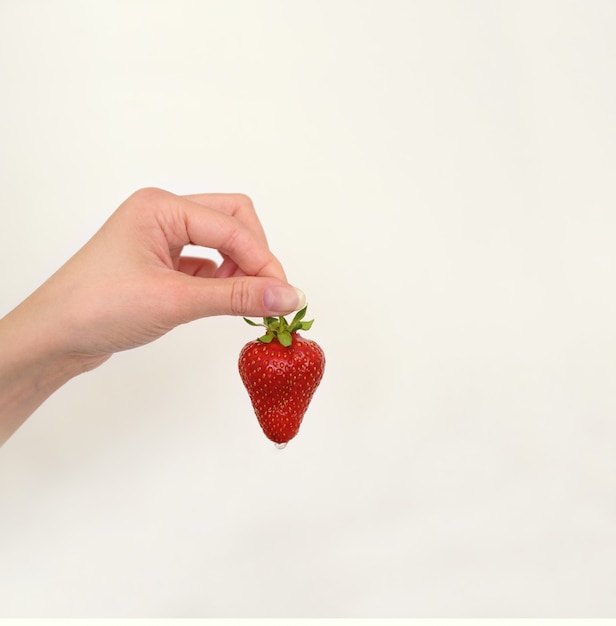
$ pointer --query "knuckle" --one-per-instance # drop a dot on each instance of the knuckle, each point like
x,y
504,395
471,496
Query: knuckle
x,y
240,298
242,198
144,200
147,194
237,239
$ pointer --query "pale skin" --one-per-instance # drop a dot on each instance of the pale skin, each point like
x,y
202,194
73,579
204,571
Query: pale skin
x,y
129,285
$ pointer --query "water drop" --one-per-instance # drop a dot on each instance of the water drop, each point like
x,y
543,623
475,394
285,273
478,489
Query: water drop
x,y
281,446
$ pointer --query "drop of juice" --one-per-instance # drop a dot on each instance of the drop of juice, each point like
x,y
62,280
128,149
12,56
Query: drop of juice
x,y
281,446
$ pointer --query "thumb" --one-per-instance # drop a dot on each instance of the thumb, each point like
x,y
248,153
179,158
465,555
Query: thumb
x,y
242,295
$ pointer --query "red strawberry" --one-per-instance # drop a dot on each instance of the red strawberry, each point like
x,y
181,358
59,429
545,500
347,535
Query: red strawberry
x,y
281,371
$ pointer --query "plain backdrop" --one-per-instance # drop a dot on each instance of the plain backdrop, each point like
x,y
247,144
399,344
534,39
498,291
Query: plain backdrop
x,y
439,178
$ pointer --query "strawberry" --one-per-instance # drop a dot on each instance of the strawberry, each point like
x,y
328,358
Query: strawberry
x,y
281,371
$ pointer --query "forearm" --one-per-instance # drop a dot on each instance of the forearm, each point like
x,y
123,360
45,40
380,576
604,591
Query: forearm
x,y
33,364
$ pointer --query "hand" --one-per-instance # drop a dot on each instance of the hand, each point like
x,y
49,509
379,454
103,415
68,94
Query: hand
x,y
129,285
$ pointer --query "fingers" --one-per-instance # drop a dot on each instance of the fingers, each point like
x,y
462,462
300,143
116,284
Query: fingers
x,y
250,280
228,224
193,266
228,268
236,205
245,255
245,295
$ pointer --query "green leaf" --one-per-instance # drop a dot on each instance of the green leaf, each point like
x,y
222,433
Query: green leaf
x,y
280,328
285,338
298,316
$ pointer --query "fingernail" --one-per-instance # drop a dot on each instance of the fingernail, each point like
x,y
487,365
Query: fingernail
x,y
282,300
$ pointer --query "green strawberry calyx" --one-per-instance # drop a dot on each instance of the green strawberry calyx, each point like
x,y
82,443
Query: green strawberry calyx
x,y
279,328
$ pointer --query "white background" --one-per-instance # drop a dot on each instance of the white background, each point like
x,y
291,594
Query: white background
x,y
439,178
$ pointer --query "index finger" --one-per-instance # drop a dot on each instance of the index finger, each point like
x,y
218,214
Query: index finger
x,y
236,205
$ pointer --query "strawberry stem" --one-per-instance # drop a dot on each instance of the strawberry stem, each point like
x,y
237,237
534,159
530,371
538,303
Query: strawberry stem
x,y
281,329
